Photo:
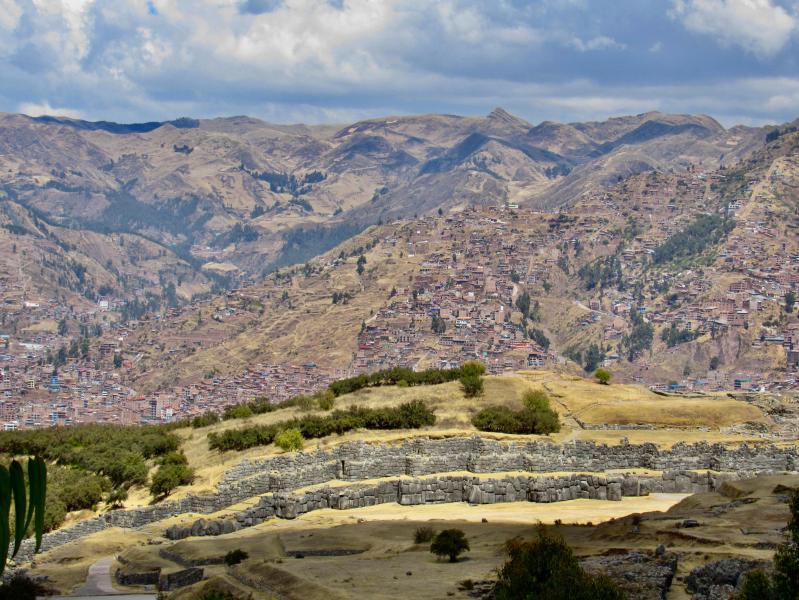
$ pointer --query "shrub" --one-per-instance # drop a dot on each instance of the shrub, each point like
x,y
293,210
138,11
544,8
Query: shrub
x,y
22,587
168,477
234,557
305,403
204,420
784,581
75,488
535,417
124,468
472,367
535,400
756,585
289,439
450,543
603,376
116,498
472,385
55,511
174,458
499,419
423,534
326,400
546,569
237,411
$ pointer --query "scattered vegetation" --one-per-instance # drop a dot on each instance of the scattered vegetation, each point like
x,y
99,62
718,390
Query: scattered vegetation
x,y
536,417
411,415
450,543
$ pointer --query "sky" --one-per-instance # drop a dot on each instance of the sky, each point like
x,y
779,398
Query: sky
x,y
339,61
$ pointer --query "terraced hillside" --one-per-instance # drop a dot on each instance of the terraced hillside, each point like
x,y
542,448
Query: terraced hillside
x,y
242,499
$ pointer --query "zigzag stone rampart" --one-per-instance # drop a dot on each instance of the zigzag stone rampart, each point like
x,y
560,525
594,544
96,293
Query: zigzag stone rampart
x,y
354,461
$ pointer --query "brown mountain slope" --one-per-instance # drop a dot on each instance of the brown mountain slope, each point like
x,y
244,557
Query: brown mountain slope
x,y
232,190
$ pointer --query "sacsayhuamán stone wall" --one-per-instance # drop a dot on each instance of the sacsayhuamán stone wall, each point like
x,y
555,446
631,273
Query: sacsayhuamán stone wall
x,y
354,461
456,488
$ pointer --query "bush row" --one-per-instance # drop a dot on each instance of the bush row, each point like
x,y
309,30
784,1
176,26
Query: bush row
x,y
410,415
405,376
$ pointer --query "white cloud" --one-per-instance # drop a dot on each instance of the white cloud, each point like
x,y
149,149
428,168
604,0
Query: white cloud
x,y
33,109
600,42
759,26
319,60
9,14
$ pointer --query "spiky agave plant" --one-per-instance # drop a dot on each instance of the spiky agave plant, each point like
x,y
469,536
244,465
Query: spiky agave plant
x,y
27,506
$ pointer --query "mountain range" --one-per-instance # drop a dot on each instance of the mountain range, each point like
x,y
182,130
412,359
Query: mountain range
x,y
226,200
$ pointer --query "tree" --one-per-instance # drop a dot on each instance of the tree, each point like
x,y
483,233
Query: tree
x,y
472,385
361,262
639,338
715,361
523,304
786,559
438,325
450,543
603,376
546,569
116,498
592,357
29,505
790,301
540,338
63,328
168,477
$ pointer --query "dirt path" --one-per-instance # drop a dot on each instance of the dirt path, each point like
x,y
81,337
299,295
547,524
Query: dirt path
x,y
98,581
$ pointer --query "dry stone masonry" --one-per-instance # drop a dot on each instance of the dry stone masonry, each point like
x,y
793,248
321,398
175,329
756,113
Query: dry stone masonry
x,y
274,479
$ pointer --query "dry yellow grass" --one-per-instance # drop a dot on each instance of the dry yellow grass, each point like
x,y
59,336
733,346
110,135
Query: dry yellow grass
x,y
624,404
674,418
